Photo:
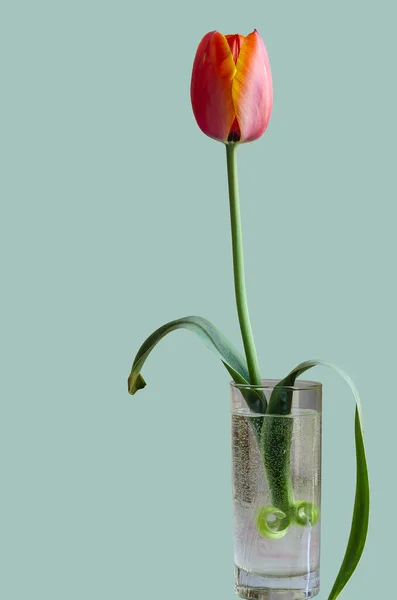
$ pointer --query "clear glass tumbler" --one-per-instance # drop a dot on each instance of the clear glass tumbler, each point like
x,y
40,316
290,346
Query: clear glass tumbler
x,y
277,493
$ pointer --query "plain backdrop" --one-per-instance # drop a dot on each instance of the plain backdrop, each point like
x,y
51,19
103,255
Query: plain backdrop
x,y
114,220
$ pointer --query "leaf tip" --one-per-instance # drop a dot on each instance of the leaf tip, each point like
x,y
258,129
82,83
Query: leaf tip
x,y
135,383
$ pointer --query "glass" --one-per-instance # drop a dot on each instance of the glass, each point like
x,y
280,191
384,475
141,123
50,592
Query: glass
x,y
277,493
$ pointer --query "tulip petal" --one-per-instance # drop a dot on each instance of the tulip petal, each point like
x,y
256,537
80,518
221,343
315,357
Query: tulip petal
x,y
252,88
235,42
211,86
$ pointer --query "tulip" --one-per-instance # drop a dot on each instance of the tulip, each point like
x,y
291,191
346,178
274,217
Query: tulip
x,y
231,88
232,97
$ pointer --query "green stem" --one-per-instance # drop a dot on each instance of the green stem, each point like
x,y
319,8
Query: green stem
x,y
238,267
276,453
276,450
274,437
275,445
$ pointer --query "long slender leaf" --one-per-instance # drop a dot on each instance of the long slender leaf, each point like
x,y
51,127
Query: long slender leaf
x,y
209,335
359,527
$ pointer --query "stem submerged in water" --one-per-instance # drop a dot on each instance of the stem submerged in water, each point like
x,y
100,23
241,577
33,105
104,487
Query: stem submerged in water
x,y
275,445
276,442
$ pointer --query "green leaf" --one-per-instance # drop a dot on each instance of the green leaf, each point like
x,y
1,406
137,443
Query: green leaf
x,y
208,333
359,527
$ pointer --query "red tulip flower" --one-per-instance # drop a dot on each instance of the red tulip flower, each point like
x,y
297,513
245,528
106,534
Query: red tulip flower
x,y
231,88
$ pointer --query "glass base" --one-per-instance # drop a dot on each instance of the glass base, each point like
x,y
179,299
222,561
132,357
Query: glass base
x,y
260,587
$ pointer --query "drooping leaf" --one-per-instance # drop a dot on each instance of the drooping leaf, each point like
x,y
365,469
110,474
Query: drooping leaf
x,y
359,527
209,335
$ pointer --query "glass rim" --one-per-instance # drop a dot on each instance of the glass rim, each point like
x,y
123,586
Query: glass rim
x,y
269,384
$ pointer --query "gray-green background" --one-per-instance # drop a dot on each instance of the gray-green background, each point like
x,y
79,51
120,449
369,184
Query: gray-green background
x,y
114,220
